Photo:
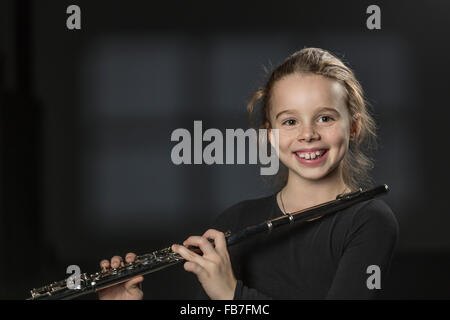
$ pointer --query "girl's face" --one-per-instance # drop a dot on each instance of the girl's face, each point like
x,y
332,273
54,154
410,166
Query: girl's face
x,y
314,124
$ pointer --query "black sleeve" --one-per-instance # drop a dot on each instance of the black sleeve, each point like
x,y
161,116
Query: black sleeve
x,y
243,292
371,241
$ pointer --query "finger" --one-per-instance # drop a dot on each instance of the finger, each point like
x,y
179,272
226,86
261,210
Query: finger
x,y
116,261
130,257
219,239
134,283
194,268
104,264
201,242
188,254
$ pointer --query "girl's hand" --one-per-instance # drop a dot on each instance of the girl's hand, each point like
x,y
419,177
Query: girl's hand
x,y
130,290
213,268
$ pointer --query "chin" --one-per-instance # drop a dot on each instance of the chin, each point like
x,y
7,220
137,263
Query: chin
x,y
312,174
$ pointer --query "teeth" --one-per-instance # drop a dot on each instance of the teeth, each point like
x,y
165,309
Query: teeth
x,y
312,155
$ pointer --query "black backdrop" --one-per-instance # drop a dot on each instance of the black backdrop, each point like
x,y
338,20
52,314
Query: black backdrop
x,y
86,118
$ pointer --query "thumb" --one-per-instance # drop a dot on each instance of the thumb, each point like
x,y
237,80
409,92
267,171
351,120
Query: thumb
x,y
133,283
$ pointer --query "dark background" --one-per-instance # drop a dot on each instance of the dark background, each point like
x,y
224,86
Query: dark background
x,y
86,118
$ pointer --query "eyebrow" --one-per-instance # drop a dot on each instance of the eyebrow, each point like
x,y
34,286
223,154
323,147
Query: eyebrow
x,y
320,110
284,111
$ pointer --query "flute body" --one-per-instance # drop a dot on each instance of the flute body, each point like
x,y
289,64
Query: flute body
x,y
84,284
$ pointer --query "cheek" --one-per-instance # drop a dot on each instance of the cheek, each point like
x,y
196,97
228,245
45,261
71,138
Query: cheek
x,y
284,147
338,137
283,143
285,140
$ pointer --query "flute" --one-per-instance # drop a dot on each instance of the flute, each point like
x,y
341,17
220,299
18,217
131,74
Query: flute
x,y
84,284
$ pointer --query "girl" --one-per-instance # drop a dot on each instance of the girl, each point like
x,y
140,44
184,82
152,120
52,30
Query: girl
x,y
318,107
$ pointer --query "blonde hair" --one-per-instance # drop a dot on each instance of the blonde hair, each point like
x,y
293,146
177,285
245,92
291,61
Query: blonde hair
x,y
356,163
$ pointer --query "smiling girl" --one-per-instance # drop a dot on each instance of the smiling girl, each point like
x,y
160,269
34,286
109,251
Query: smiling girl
x,y
318,107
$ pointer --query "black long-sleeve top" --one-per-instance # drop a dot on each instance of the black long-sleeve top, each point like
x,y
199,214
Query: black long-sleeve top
x,y
324,259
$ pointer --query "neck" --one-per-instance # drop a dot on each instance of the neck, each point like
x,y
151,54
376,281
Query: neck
x,y
300,193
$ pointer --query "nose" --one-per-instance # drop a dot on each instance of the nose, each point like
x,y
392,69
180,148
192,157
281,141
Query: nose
x,y
307,133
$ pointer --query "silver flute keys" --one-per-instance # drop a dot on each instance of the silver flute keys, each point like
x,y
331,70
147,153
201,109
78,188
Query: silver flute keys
x,y
143,264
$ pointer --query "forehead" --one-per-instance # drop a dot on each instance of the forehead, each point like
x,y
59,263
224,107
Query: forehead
x,y
307,93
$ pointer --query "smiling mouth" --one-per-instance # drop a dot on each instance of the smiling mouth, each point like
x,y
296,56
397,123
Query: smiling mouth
x,y
311,155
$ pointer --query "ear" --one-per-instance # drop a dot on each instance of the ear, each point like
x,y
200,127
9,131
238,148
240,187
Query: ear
x,y
355,127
